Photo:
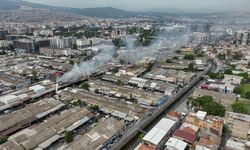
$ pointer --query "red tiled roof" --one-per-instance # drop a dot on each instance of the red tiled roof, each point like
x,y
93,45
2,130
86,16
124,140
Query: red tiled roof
x,y
204,86
186,136
145,147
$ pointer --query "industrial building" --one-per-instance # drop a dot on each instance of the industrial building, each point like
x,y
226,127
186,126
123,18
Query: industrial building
x,y
171,76
13,81
110,106
13,122
143,98
159,134
100,137
49,131
17,98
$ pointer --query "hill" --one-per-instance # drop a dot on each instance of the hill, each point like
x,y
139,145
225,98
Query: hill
x,y
92,12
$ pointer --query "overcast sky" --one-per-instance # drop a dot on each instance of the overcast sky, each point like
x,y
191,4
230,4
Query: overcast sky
x,y
161,5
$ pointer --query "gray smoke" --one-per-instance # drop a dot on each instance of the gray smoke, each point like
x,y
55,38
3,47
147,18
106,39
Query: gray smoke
x,y
130,42
164,44
161,46
89,67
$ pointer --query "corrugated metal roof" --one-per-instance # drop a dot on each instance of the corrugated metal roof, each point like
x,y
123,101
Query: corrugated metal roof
x,y
119,114
77,124
156,134
49,111
186,136
176,143
49,141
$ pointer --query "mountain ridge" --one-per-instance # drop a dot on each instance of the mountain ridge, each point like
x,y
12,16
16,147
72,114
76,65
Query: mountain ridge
x,y
91,12
100,12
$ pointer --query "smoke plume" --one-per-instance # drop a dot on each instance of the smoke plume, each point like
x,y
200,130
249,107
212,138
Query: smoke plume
x,y
162,45
89,67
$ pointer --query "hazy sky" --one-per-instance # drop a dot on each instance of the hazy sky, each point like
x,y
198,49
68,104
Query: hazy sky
x,y
162,5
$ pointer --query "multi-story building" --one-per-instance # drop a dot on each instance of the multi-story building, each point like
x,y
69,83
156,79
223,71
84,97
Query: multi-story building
x,y
242,38
118,33
2,33
42,43
83,43
5,43
26,44
61,43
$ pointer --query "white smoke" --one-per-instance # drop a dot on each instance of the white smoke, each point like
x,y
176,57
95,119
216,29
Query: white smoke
x,y
130,42
163,44
88,67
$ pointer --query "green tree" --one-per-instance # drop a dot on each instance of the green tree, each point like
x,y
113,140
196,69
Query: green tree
x,y
85,86
238,56
3,139
244,75
119,82
82,103
207,104
200,55
191,67
146,37
214,75
118,42
168,61
141,135
247,95
95,107
132,30
237,90
115,70
149,67
240,107
74,46
3,53
175,58
228,71
50,67
68,137
222,56
189,57
71,62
